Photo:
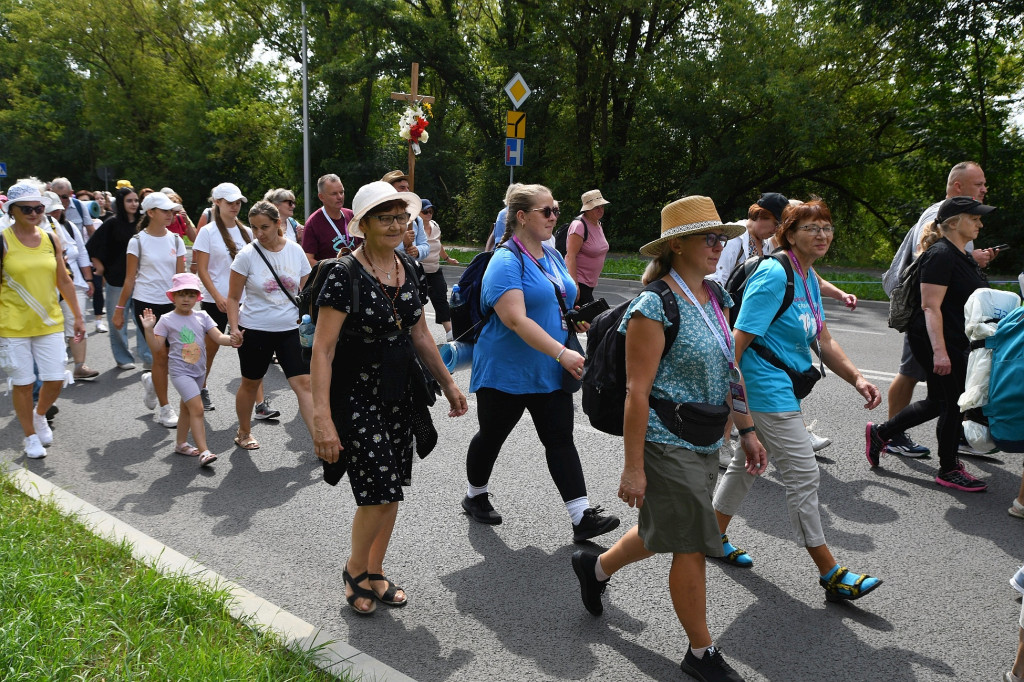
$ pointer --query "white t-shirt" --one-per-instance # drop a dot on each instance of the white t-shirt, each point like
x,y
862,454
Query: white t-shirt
x,y
210,241
158,261
267,308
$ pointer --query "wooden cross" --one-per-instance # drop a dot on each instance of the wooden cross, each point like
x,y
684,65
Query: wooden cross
x,y
413,98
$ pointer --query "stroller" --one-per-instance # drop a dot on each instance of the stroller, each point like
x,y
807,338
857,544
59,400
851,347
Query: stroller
x,y
993,399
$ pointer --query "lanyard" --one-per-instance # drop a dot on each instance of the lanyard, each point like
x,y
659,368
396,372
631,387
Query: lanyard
x,y
725,337
557,281
343,240
815,311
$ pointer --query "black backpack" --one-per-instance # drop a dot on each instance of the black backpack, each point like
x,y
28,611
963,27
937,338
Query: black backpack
x,y
604,370
562,234
468,315
737,283
308,295
905,299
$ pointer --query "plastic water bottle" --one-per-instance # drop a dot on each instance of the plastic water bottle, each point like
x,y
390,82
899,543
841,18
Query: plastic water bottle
x,y
457,355
306,330
456,297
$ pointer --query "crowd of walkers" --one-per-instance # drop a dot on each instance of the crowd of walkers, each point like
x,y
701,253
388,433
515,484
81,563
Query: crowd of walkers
x,y
366,369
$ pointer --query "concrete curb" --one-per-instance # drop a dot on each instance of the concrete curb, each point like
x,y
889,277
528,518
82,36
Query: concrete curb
x,y
336,656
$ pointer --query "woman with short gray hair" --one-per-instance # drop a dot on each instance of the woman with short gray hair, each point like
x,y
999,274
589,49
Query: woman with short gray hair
x,y
284,200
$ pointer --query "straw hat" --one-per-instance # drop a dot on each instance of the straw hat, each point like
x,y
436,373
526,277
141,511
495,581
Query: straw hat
x,y
374,194
592,199
690,215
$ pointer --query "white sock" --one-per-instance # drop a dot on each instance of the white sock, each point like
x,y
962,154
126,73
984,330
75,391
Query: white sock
x,y
599,571
699,653
576,508
473,491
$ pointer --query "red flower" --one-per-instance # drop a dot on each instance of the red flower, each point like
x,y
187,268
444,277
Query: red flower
x,y
417,128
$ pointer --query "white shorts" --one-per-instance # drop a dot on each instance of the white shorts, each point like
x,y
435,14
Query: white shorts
x,y
69,318
17,355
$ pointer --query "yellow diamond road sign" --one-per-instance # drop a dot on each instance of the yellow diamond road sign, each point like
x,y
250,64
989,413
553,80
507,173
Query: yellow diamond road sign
x,y
517,90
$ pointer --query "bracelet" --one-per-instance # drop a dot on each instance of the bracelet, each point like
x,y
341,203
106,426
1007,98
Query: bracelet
x,y
749,429
118,307
558,358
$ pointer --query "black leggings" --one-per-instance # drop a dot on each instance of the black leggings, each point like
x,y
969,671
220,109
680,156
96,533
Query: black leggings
x,y
437,290
499,412
941,401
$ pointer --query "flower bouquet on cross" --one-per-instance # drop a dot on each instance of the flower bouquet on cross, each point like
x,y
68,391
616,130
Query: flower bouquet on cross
x,y
412,126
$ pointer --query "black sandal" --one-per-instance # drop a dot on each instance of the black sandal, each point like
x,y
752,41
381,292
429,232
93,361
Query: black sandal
x,y
359,592
388,597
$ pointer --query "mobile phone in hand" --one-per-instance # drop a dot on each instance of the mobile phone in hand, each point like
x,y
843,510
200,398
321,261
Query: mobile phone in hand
x,y
588,312
1001,247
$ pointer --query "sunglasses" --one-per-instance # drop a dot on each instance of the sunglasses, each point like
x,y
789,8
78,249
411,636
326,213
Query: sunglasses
x,y
711,239
290,202
29,210
548,211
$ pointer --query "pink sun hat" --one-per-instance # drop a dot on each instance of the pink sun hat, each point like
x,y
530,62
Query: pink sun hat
x,y
184,281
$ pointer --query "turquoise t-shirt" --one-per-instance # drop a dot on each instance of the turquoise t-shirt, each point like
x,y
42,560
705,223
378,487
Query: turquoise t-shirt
x,y
501,359
695,369
790,337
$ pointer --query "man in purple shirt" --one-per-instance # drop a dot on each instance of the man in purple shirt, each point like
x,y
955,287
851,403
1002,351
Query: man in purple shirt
x,y
326,233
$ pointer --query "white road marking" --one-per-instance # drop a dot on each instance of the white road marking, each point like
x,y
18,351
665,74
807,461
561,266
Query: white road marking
x,y
855,331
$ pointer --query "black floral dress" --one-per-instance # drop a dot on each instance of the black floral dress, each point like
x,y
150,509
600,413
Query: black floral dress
x,y
371,404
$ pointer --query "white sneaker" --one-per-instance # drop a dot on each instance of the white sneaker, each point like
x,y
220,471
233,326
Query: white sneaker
x,y
149,399
818,442
42,428
101,326
126,365
725,454
166,416
33,448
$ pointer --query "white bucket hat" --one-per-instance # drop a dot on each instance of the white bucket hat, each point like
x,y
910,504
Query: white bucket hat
x,y
159,200
592,199
373,195
229,192
55,202
690,215
24,193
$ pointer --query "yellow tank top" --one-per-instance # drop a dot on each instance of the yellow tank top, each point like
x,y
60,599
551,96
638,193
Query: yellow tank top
x,y
29,305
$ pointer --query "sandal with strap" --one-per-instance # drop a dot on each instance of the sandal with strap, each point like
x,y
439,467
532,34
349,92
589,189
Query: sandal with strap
x,y
207,458
838,590
388,597
186,449
734,555
359,592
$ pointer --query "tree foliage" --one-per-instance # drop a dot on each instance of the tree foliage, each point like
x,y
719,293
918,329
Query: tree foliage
x,y
866,103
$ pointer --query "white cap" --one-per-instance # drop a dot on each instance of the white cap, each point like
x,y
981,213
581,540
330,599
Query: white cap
x,y
55,202
159,200
229,192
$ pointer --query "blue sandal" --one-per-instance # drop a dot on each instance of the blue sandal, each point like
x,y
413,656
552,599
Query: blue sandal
x,y
839,588
734,555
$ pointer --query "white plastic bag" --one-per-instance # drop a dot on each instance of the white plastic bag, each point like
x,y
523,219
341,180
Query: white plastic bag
x,y
982,313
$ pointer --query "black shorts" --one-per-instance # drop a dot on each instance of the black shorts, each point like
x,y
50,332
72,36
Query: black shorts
x,y
258,348
220,319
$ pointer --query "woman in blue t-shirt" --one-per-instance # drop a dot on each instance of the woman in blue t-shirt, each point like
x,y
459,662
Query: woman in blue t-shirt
x,y
519,360
670,468
805,235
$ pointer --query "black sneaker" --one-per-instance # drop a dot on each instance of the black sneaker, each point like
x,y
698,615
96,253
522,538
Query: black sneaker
x,y
481,510
265,411
960,479
874,445
204,395
710,668
591,589
901,444
593,523
51,412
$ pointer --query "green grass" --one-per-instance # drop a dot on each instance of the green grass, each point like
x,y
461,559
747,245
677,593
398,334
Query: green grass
x,y
76,607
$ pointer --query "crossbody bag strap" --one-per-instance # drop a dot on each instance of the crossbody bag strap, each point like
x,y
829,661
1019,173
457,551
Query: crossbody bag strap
x,y
274,273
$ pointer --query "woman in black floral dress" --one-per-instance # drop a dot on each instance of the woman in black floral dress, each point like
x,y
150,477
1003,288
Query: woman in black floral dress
x,y
368,388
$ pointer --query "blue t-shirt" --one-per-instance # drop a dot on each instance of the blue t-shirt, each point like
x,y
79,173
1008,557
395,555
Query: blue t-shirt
x,y
501,359
790,337
695,369
499,225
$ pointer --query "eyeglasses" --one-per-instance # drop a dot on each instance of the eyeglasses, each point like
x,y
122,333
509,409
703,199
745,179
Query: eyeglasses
x,y
290,202
66,197
548,211
817,229
29,210
711,238
386,219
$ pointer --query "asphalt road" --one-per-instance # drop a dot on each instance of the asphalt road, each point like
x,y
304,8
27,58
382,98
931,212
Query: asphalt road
x,y
502,603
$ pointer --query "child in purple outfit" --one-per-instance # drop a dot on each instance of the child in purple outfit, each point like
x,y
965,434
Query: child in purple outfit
x,y
184,330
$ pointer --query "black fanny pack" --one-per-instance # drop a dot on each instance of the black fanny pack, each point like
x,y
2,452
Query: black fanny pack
x,y
802,382
701,424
